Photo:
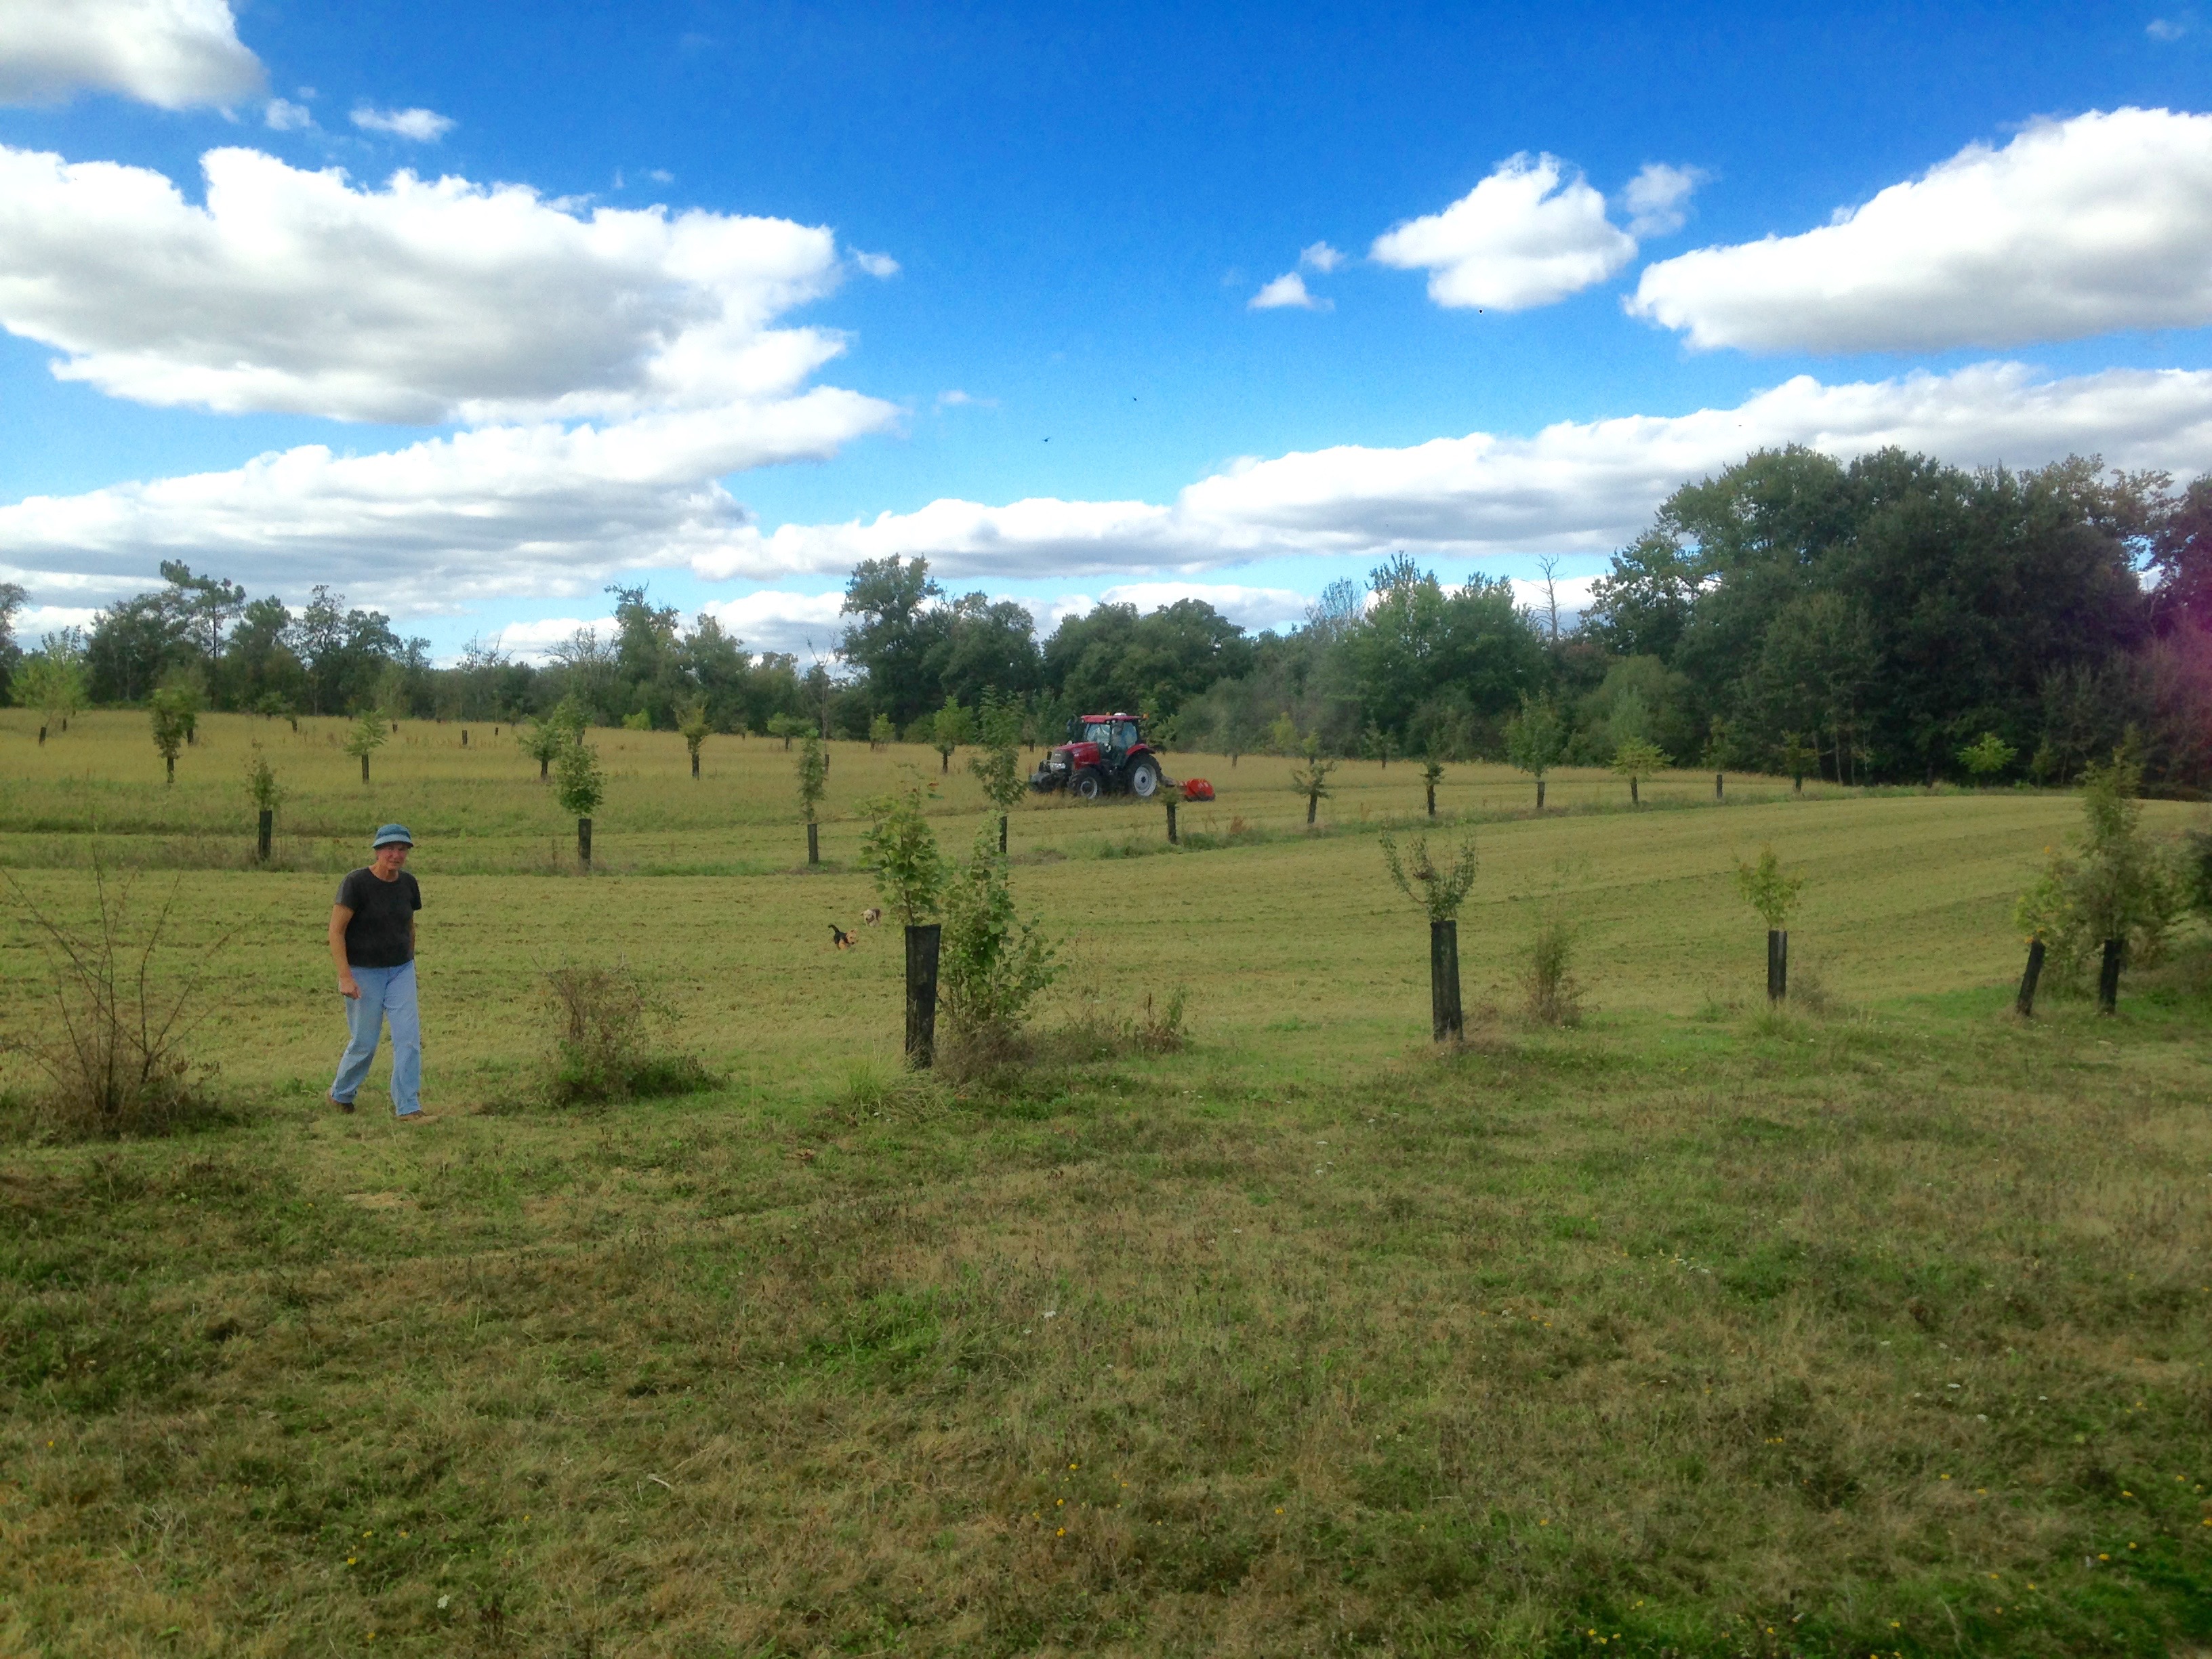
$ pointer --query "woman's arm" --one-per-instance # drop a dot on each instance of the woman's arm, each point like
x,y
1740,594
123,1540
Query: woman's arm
x,y
348,986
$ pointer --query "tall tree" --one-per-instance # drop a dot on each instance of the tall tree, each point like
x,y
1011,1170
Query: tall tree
x,y
894,632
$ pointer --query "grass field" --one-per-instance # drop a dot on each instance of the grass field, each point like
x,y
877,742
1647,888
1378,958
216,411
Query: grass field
x,y
1879,1327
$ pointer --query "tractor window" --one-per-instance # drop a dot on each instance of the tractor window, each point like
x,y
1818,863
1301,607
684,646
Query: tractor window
x,y
1125,735
1100,732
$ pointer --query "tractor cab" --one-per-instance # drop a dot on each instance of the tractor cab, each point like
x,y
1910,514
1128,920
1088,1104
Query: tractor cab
x,y
1104,754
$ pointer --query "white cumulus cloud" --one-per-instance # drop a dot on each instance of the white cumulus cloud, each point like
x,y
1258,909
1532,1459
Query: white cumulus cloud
x,y
1576,486
282,115
790,622
1287,291
514,511
1658,198
501,511
171,53
1321,256
2074,228
421,126
422,300
1532,233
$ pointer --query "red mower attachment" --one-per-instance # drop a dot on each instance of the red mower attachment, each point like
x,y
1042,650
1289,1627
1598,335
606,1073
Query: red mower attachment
x,y
1197,789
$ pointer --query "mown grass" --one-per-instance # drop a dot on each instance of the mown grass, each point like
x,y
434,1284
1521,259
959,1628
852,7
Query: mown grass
x,y
1694,1330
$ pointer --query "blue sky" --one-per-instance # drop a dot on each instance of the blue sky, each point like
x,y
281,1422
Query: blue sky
x,y
1081,205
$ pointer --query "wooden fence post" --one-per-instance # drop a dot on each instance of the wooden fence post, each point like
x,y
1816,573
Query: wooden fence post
x,y
2108,976
2026,1001
1449,1023
922,940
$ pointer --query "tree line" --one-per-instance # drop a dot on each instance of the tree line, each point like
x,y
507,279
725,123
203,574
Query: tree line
x,y
1891,619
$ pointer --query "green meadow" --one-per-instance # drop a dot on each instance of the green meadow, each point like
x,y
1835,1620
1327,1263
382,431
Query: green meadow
x,y
1878,1325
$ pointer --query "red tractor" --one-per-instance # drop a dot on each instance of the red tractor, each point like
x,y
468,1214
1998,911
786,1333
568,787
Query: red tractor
x,y
1104,754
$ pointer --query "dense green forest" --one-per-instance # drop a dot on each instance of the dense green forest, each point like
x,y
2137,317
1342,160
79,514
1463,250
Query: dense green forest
x,y
1870,621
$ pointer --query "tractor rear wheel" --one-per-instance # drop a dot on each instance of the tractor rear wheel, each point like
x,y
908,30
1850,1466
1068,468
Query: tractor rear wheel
x,y
1144,777
1086,784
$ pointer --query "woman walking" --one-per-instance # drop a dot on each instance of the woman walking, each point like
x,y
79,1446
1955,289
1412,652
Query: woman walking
x,y
373,943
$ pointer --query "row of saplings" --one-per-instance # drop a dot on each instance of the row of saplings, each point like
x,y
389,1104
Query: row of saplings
x,y
2112,898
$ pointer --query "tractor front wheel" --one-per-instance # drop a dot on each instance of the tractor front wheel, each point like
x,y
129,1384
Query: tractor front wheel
x,y
1144,778
1086,784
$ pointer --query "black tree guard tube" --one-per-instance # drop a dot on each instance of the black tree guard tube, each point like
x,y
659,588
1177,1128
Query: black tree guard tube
x,y
813,842
1173,840
264,832
1777,965
1443,981
2025,1002
584,843
2108,978
922,942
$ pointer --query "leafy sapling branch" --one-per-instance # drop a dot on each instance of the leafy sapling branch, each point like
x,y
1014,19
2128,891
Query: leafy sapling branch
x,y
1773,892
579,786
1439,890
1535,740
813,770
997,765
900,851
1311,780
695,729
368,735
268,794
1636,759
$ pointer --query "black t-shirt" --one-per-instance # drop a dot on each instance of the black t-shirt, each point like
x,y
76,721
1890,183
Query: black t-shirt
x,y
381,932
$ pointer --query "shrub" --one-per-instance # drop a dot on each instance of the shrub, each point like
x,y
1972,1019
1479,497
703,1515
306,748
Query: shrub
x,y
542,740
900,850
695,729
173,712
1987,758
602,1041
1311,780
1536,738
991,964
1635,760
1439,890
577,781
1554,994
997,764
881,731
1769,888
114,1049
2117,882
368,735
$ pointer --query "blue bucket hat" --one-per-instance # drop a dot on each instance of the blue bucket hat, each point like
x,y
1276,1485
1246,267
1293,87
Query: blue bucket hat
x,y
392,834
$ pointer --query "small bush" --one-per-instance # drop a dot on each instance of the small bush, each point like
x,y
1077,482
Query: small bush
x,y
114,1048
602,1041
993,963
1555,995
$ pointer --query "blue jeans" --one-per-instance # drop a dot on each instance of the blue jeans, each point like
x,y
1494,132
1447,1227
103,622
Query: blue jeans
x,y
386,993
